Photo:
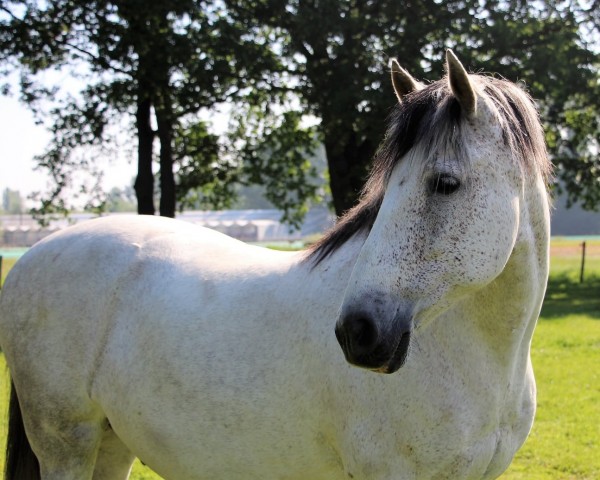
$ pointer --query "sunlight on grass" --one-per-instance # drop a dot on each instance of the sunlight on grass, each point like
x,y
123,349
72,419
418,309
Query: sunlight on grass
x,y
140,472
565,439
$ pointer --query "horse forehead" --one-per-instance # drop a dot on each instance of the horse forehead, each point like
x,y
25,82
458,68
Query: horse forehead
x,y
486,140
487,122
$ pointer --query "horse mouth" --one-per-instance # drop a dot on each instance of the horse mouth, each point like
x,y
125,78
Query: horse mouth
x,y
398,358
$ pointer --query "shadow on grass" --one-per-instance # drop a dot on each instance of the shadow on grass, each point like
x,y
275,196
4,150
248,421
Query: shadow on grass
x,y
566,296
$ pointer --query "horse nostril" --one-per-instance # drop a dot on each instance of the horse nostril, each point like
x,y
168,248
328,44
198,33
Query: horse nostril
x,y
364,332
361,335
374,335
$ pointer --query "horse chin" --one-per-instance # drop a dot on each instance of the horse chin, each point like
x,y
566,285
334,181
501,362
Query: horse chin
x,y
398,358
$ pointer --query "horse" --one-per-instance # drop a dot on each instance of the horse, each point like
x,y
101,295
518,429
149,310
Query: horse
x,y
395,347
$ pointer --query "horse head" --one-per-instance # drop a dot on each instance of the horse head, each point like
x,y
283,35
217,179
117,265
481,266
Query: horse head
x,y
443,209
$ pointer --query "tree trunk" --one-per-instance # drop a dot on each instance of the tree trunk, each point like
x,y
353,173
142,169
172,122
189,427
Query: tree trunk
x,y
164,122
144,182
348,166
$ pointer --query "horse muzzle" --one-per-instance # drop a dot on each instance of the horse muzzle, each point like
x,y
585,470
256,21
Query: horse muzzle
x,y
369,341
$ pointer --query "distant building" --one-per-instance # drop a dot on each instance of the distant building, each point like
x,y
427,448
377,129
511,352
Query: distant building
x,y
264,225
22,231
260,225
246,225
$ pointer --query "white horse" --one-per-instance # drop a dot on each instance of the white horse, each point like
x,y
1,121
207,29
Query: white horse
x,y
210,359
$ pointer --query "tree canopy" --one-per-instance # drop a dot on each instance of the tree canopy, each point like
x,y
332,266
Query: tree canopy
x,y
277,62
156,64
337,52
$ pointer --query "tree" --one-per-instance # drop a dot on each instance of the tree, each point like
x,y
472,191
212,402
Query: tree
x,y
336,53
549,45
157,63
121,200
278,61
140,59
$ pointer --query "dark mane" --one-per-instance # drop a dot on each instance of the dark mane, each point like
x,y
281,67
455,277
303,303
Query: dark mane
x,y
429,119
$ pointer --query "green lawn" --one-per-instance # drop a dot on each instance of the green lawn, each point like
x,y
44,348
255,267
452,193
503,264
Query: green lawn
x,y
565,441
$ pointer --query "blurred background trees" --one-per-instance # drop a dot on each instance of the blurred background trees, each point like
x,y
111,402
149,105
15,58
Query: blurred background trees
x,y
290,75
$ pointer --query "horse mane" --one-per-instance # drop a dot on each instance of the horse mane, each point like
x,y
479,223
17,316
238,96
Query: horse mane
x,y
431,118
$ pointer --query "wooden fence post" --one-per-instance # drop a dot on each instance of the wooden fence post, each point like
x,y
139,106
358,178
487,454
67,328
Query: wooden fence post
x,y
582,262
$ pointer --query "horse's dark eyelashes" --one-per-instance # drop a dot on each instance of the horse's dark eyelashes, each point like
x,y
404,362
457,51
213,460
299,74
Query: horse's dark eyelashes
x,y
443,184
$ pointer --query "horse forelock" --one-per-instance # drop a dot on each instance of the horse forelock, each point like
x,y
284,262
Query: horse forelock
x,y
427,122
521,126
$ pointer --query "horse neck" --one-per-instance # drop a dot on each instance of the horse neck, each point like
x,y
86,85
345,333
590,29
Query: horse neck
x,y
325,282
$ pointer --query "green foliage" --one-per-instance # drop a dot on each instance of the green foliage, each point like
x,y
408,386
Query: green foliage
x,y
120,200
276,151
335,55
206,174
133,59
549,45
578,153
251,197
274,61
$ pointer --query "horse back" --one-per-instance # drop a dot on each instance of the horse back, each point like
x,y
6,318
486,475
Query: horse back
x,y
60,300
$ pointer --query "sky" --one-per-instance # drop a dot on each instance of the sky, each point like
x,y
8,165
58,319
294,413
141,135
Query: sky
x,y
21,140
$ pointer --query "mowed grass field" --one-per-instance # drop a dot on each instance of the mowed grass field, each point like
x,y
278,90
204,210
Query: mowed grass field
x,y
565,441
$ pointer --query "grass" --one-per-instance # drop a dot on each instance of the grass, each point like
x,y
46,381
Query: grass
x,y
565,441
7,264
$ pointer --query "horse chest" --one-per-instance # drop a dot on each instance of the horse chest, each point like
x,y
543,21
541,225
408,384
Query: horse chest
x,y
434,430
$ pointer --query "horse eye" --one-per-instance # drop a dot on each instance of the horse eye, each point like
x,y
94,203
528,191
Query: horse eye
x,y
444,184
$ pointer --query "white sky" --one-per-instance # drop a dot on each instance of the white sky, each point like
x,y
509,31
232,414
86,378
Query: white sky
x,y
21,140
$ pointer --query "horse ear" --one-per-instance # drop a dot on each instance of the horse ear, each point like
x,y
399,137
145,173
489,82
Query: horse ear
x,y
461,86
403,82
